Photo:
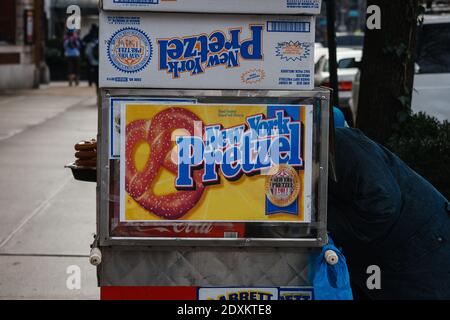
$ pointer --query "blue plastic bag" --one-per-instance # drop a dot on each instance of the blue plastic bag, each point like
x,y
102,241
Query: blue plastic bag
x,y
331,282
339,119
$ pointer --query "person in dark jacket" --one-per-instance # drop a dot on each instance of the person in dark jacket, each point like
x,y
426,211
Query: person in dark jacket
x,y
381,213
91,45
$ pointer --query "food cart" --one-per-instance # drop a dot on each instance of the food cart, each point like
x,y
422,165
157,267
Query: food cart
x,y
212,156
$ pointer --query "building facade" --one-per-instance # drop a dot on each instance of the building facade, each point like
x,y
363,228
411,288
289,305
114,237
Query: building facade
x,y
25,25
21,44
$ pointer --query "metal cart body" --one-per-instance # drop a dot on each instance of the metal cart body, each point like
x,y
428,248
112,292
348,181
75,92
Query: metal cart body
x,y
280,256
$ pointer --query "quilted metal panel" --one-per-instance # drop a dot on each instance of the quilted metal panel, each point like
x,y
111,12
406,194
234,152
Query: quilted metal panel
x,y
204,267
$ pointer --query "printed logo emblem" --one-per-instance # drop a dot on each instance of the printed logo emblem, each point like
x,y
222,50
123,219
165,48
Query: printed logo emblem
x,y
293,50
283,187
130,50
253,76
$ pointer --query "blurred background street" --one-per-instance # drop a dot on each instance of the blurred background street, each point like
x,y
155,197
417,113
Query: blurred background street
x,y
47,218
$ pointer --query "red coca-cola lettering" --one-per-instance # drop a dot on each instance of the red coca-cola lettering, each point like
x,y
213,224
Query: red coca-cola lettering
x,y
203,228
183,230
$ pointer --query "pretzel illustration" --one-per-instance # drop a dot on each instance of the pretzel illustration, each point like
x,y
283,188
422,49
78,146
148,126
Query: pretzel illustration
x,y
157,133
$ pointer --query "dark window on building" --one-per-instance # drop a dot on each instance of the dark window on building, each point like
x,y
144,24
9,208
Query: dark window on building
x,y
350,40
433,48
8,21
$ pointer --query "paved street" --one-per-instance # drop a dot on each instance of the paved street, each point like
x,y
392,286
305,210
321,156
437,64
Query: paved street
x,y
47,218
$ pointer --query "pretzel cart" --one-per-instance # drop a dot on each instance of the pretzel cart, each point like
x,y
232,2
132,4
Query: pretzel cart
x,y
212,150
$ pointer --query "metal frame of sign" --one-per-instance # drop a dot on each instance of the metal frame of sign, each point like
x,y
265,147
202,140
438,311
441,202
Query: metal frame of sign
x,y
319,98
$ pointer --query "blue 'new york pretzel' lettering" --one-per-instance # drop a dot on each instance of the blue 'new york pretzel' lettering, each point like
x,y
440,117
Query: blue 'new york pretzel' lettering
x,y
195,54
236,151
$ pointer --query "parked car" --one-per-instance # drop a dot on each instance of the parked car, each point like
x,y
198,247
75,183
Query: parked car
x,y
319,51
431,93
348,61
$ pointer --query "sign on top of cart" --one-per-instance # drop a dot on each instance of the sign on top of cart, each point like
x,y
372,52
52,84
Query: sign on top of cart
x,y
215,51
309,7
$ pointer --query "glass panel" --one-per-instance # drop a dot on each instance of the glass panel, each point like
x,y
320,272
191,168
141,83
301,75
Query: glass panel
x,y
284,228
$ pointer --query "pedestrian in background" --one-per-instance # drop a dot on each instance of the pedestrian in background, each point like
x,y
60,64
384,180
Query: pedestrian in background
x,y
91,53
72,50
90,42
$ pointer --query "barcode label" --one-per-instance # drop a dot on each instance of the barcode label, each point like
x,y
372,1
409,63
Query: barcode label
x,y
230,234
303,4
288,26
137,1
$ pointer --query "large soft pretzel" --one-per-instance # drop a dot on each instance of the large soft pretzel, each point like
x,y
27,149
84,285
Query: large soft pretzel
x,y
157,132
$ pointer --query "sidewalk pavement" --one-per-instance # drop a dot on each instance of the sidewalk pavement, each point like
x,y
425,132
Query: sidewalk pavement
x,y
47,217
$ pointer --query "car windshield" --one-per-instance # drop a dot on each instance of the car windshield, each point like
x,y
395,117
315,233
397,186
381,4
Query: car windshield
x,y
345,63
433,48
